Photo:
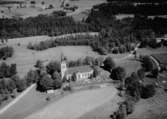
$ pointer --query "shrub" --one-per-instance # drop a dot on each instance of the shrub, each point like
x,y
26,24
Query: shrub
x,y
48,98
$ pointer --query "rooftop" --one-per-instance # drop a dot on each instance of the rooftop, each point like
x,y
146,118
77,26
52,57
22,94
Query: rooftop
x,y
80,69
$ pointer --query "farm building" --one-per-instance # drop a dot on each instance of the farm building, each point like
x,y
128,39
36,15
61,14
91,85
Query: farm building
x,y
160,60
79,72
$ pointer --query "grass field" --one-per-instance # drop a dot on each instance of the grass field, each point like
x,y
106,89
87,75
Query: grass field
x,y
28,104
26,58
75,105
103,111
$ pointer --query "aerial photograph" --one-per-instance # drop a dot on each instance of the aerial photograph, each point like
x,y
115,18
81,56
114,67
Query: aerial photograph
x,y
83,59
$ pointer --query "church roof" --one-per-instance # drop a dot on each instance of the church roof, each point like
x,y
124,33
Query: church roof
x,y
80,69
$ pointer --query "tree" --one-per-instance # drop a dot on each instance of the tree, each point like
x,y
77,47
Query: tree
x,y
39,64
4,70
13,70
89,60
96,71
45,83
32,77
147,91
109,63
15,78
57,84
118,73
21,85
56,76
147,63
52,67
99,61
10,85
133,87
155,73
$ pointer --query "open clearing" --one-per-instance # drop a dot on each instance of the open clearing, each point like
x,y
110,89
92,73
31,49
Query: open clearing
x,y
76,104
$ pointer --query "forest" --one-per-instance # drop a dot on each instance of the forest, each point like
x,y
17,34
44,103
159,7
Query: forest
x,y
139,1
130,8
55,24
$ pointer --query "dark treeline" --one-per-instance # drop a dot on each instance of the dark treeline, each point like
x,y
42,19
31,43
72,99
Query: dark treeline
x,y
139,1
41,25
104,15
129,8
119,36
73,40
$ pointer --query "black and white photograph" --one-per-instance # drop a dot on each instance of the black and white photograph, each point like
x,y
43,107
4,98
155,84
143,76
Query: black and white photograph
x,y
83,59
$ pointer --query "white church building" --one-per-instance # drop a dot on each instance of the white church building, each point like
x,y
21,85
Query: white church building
x,y
80,72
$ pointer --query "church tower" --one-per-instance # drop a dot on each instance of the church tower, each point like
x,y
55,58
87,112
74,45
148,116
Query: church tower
x,y
63,66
